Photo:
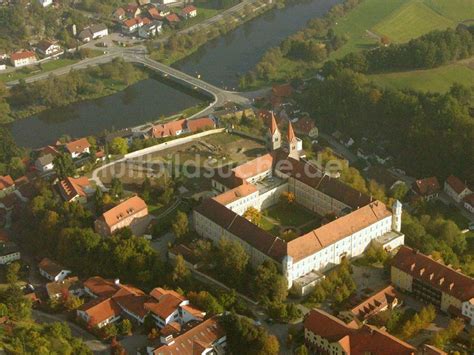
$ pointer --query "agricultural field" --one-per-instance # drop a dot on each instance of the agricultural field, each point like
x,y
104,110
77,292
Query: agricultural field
x,y
435,80
399,20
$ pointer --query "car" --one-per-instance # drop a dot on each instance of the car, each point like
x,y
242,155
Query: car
x,y
471,226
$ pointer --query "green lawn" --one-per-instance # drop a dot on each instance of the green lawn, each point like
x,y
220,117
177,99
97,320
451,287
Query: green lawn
x,y
400,20
436,80
23,73
290,215
410,21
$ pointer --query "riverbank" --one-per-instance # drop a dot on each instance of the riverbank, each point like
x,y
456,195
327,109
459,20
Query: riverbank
x,y
180,46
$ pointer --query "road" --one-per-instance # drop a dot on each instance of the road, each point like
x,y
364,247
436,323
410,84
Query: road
x,y
97,346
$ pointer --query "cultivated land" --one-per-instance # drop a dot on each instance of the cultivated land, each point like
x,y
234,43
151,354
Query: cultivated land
x,y
400,20
437,80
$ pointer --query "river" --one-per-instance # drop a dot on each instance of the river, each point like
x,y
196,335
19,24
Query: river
x,y
219,62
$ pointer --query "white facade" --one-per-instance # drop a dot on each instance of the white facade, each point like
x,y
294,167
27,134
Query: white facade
x,y
468,310
3,66
45,3
102,324
21,62
9,257
58,277
100,34
453,194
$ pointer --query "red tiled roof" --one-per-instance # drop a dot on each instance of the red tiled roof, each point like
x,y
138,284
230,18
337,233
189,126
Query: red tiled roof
x,y
200,124
200,337
273,123
6,182
355,340
132,22
375,303
235,194
172,18
78,146
254,167
124,210
153,12
101,287
100,310
456,184
426,187
188,9
291,133
72,187
22,55
132,299
168,129
119,12
334,231
166,305
434,273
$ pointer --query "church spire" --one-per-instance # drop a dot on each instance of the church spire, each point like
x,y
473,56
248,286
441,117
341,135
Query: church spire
x,y
273,124
291,133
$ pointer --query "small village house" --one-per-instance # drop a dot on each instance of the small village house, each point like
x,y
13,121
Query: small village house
x,y
469,202
9,252
119,14
456,189
132,10
172,19
427,189
45,3
7,185
78,147
188,11
150,30
49,48
93,32
23,58
52,270
75,189
70,286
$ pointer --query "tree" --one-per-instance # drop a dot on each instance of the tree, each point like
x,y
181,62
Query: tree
x,y
301,350
253,215
73,302
119,146
12,272
64,166
399,191
180,271
116,189
232,259
288,197
204,300
269,284
181,225
125,327
110,331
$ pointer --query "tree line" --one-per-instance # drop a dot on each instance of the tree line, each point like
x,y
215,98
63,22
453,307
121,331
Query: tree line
x,y
428,51
434,131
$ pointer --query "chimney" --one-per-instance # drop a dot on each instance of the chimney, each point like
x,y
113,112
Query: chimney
x,y
117,282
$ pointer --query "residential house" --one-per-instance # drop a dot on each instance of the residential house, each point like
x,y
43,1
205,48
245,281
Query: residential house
x,y
99,312
326,334
469,202
45,163
75,189
132,25
433,282
120,14
9,252
70,286
163,9
78,147
200,124
3,55
126,134
45,3
127,214
207,337
93,32
150,30
52,270
173,128
112,300
427,188
23,58
7,185
172,19
3,65
154,14
456,189
386,298
188,11
49,48
166,2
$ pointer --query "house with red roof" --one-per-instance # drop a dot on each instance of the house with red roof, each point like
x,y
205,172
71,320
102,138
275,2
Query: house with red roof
x,y
433,282
188,11
427,188
7,185
75,189
468,202
326,334
47,48
78,147
172,19
126,214
22,58
52,271
120,14
456,189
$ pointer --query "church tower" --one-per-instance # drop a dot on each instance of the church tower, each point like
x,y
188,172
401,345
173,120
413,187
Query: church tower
x,y
292,143
397,216
273,137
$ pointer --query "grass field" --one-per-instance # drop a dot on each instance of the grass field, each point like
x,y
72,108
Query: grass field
x,y
412,20
436,80
34,70
400,20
